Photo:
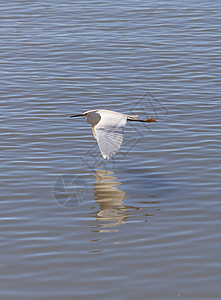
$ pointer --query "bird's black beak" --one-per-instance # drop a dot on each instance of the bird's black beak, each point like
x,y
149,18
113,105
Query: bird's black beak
x,y
77,116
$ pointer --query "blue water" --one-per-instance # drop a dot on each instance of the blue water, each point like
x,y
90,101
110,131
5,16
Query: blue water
x,y
145,224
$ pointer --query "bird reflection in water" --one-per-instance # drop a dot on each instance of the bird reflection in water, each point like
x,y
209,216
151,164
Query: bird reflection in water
x,y
112,211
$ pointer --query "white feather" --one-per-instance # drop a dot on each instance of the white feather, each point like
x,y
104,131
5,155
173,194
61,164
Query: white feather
x,y
109,132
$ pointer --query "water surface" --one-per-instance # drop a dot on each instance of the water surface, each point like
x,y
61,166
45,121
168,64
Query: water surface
x,y
145,225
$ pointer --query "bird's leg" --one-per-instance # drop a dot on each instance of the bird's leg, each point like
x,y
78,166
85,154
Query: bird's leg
x,y
150,120
146,120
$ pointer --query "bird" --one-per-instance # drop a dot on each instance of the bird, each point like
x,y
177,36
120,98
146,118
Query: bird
x,y
107,128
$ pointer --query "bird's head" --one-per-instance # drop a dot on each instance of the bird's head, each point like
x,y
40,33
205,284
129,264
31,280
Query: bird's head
x,y
92,116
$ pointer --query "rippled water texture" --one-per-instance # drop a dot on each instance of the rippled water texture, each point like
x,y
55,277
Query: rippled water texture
x,y
145,225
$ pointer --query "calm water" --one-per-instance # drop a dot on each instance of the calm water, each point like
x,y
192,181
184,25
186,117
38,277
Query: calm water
x,y
145,225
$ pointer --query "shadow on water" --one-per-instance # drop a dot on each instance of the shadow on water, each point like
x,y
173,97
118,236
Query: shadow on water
x,y
110,198
115,206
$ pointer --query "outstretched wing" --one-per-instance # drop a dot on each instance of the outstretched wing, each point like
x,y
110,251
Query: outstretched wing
x,y
109,132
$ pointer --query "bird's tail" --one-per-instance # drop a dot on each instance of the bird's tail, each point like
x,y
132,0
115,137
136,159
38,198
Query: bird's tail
x,y
132,117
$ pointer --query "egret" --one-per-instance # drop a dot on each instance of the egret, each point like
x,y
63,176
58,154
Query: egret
x,y
107,128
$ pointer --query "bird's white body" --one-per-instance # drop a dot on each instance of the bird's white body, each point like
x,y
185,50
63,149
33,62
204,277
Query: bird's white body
x,y
107,128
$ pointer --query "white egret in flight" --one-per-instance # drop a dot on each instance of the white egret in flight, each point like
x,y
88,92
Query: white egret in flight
x,y
107,128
